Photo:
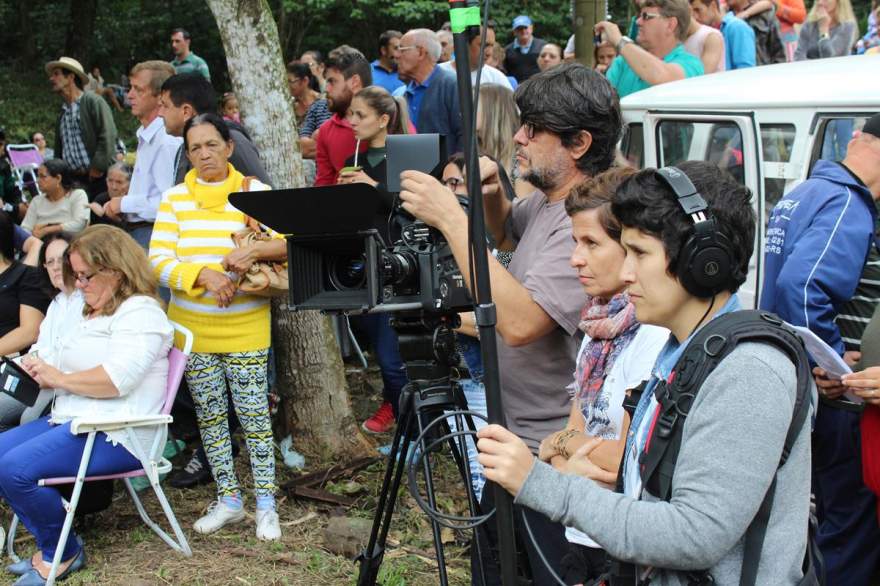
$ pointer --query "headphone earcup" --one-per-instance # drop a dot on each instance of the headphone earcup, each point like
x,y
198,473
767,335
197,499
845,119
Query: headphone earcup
x,y
705,263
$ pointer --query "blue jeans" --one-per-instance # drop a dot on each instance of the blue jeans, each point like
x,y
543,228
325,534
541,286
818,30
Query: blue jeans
x,y
383,339
475,394
39,450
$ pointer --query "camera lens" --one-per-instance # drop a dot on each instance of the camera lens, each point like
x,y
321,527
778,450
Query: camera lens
x,y
347,272
399,268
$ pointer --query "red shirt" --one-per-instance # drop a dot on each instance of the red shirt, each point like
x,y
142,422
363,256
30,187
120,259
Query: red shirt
x,y
335,143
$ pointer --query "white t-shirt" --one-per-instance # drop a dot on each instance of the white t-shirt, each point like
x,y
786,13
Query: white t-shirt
x,y
490,75
632,366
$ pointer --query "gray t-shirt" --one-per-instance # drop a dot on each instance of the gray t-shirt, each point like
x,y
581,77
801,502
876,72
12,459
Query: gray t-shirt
x,y
534,377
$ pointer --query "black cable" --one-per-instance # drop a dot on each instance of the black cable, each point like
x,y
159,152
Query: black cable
x,y
699,323
538,550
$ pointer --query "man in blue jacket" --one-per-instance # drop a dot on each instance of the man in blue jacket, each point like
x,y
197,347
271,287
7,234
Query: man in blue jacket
x,y
818,239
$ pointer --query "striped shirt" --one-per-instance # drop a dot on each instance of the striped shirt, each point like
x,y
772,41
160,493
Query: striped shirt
x,y
854,315
316,115
187,238
73,147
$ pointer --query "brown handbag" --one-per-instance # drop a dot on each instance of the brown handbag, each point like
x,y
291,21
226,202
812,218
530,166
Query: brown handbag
x,y
264,278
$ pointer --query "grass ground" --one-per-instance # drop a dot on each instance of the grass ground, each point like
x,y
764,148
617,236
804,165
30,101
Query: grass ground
x,y
123,551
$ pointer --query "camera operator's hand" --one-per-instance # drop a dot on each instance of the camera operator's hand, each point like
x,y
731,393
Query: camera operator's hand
x,y
505,458
220,285
430,201
356,177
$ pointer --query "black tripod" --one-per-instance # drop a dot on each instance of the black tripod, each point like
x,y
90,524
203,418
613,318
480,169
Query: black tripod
x,y
427,346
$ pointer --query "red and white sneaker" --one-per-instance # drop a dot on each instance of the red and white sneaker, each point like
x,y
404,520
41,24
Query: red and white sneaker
x,y
382,420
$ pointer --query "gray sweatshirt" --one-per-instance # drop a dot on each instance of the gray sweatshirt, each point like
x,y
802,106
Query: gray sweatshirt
x,y
731,445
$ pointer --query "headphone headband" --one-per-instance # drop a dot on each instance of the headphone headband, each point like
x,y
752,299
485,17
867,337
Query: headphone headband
x,y
688,197
705,259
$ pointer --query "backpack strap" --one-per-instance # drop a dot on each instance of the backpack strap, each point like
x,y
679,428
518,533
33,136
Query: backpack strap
x,y
706,350
676,397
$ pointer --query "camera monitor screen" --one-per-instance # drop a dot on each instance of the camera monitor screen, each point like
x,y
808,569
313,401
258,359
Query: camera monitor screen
x,y
413,152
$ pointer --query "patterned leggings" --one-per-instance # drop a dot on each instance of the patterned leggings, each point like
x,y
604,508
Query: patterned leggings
x,y
207,376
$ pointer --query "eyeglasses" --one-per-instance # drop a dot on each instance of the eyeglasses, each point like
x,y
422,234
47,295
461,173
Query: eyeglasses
x,y
532,129
649,15
84,280
407,48
453,182
296,80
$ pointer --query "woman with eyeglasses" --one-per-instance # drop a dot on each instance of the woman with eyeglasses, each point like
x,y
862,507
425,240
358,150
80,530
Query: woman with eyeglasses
x,y
113,364
61,208
374,115
23,304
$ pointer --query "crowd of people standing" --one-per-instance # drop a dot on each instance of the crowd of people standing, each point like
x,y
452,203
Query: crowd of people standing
x,y
592,299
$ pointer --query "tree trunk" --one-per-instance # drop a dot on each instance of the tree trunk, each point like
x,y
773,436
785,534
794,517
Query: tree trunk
x,y
81,31
310,374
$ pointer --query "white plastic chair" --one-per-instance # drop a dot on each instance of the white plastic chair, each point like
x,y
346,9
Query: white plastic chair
x,y
152,462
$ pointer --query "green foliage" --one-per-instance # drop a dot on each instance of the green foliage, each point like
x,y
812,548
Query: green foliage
x,y
27,105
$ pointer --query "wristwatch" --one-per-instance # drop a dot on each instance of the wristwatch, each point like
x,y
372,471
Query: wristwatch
x,y
623,42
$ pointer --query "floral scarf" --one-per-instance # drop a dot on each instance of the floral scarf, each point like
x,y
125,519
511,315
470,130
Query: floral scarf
x,y
611,326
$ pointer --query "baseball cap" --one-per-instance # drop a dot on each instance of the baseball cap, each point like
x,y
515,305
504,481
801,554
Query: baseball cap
x,y
521,20
872,126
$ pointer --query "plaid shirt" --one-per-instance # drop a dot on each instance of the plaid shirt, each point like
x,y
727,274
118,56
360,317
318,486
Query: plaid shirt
x,y
71,138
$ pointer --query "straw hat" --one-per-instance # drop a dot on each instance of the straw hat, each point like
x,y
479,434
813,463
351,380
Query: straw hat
x,y
69,64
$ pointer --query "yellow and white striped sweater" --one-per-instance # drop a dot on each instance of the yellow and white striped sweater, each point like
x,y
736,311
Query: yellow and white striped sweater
x,y
187,238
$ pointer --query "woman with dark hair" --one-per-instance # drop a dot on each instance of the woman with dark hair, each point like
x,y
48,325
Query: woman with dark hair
x,y
311,112
374,115
193,254
63,316
61,208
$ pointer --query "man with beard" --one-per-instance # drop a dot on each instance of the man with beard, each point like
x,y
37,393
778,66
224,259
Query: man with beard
x,y
385,67
347,71
571,123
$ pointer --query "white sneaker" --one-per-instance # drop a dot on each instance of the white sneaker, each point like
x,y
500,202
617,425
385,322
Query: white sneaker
x,y
268,527
219,514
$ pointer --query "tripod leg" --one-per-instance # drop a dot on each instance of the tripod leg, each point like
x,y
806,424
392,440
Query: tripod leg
x,y
435,527
371,557
465,470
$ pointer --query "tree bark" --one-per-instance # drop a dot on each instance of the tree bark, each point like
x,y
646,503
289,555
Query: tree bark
x,y
310,377
81,31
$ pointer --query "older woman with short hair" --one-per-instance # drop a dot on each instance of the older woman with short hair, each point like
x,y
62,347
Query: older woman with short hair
x,y
193,255
116,364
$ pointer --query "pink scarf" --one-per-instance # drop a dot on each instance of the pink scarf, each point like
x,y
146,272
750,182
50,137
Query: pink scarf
x,y
611,327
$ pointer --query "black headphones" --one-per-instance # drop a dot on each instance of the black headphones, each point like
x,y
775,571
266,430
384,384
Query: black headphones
x,y
705,260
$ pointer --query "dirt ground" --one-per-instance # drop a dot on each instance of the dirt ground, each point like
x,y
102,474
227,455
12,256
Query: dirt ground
x,y
122,550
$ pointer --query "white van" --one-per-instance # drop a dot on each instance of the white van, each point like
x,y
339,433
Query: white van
x,y
766,125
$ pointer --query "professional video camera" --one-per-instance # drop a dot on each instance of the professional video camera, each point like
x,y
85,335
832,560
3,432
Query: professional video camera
x,y
341,262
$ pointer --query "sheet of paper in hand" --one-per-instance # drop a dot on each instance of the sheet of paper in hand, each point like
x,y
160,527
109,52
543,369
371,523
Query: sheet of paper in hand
x,y
825,357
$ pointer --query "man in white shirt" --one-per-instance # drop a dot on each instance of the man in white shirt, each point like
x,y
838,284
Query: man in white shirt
x,y
154,165
490,75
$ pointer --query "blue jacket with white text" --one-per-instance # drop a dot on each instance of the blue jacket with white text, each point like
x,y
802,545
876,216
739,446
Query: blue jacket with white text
x,y
818,239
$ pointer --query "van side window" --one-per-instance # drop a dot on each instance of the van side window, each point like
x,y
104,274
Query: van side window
x,y
633,145
777,141
716,142
834,135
